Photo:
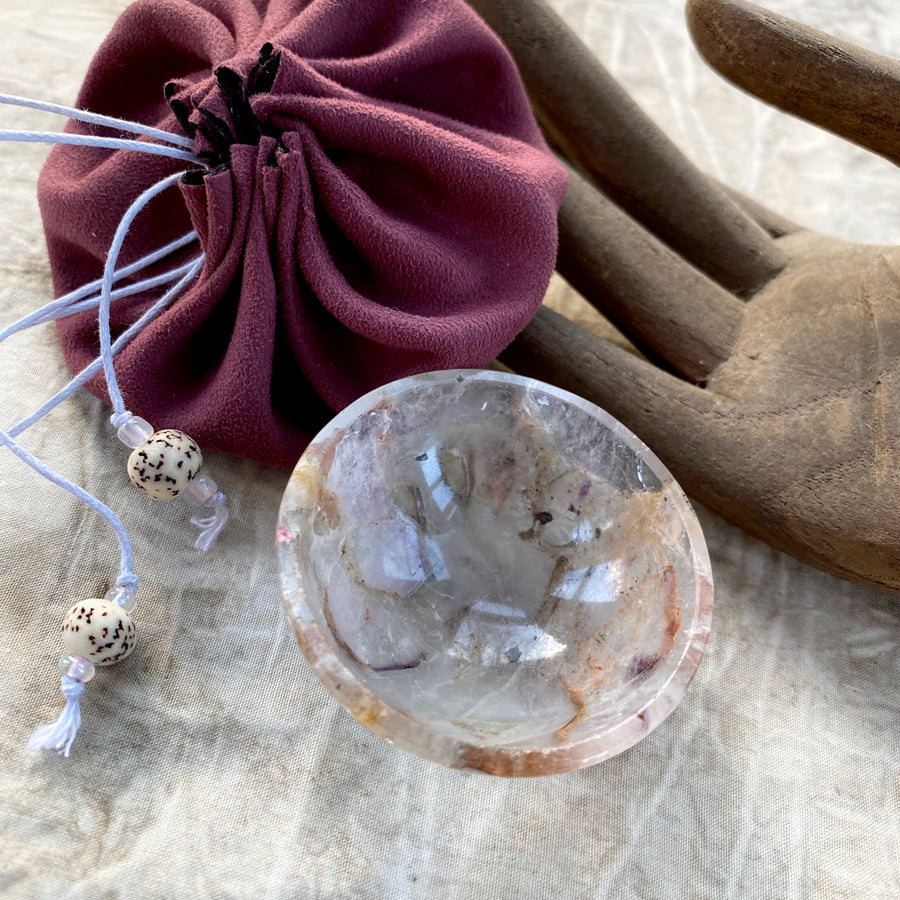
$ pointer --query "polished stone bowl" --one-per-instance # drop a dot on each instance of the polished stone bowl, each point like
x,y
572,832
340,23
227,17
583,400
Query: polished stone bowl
x,y
494,573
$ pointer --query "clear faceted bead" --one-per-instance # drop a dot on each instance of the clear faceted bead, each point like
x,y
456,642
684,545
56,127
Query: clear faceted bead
x,y
135,431
122,597
77,667
202,488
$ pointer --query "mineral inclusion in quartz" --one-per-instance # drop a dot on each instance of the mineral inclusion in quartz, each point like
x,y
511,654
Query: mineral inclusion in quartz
x,y
494,573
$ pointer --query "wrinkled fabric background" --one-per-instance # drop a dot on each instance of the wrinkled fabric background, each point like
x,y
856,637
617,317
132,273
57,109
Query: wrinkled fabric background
x,y
212,765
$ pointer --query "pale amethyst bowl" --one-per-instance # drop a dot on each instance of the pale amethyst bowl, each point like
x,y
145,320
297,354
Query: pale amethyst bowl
x,y
493,573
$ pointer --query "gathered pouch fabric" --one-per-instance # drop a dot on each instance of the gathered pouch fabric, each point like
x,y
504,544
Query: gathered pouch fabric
x,y
376,200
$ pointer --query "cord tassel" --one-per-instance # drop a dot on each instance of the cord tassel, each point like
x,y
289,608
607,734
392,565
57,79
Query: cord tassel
x,y
60,735
86,634
211,526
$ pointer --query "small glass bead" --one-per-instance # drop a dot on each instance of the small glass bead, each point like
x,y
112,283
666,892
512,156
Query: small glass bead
x,y
202,487
122,597
135,431
77,667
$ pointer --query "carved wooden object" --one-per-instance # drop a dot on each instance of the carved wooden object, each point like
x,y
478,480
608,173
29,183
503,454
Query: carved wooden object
x,y
771,376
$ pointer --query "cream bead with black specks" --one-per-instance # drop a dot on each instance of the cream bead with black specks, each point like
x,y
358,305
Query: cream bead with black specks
x,y
164,465
98,630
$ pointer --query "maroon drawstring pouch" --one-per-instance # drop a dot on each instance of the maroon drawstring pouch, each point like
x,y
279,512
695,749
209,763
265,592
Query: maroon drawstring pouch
x,y
376,201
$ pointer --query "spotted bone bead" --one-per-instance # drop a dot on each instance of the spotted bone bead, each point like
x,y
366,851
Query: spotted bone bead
x,y
165,464
99,631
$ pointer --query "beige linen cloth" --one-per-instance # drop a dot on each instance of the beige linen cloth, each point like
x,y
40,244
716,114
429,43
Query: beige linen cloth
x,y
213,765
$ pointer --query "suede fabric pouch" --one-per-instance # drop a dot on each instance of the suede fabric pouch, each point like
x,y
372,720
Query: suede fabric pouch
x,y
378,202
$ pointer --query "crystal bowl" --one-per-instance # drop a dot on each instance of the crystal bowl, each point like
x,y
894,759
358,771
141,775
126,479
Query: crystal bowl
x,y
493,573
